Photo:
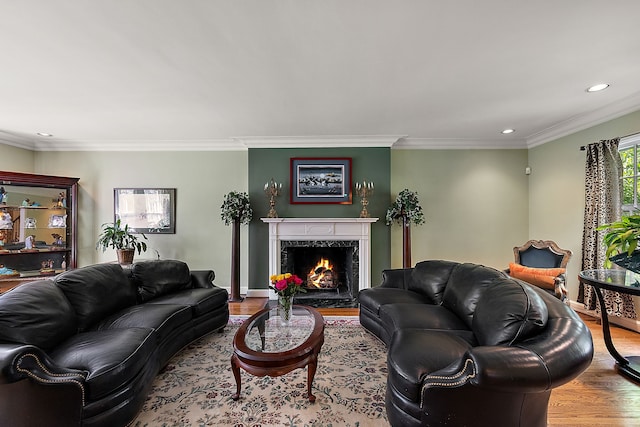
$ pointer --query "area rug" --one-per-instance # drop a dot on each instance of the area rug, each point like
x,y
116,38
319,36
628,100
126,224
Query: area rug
x,y
195,388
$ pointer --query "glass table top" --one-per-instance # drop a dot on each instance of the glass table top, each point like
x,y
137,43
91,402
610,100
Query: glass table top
x,y
268,334
621,280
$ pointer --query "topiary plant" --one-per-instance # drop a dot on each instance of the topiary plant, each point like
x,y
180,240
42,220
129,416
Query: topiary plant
x,y
236,207
406,206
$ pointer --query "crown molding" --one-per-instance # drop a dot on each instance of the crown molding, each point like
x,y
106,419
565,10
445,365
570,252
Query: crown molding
x,y
319,141
17,140
139,145
231,144
458,144
584,121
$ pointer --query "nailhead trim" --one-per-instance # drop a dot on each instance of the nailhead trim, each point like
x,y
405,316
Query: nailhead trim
x,y
64,378
462,379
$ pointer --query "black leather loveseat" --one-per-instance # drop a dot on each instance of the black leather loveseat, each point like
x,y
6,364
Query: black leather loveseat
x,y
84,347
469,346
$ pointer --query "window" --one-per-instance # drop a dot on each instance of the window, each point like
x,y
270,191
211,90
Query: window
x,y
629,182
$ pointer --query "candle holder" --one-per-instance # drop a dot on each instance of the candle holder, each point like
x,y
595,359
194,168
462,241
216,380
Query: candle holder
x,y
364,190
272,189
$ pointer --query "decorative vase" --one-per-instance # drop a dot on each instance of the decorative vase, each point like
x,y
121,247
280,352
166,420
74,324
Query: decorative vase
x,y
285,308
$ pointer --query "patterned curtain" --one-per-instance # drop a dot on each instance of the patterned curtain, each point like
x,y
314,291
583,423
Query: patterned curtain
x,y
602,205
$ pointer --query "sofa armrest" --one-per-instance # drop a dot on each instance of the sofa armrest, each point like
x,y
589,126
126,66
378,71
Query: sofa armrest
x,y
34,391
503,369
203,278
18,362
396,278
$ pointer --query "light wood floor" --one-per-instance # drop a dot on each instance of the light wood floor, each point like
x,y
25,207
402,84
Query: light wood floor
x,y
597,398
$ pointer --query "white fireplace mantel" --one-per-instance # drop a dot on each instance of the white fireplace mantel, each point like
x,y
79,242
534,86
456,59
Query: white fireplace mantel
x,y
321,229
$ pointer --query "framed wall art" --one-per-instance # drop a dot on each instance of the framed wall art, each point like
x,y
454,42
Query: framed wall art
x,y
321,180
146,210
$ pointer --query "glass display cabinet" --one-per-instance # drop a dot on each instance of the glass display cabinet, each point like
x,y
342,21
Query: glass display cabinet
x,y
38,222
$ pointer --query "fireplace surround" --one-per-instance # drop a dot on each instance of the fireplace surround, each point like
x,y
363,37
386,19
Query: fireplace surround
x,y
323,232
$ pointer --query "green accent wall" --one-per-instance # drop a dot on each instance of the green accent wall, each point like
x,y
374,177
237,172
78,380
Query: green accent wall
x,y
369,164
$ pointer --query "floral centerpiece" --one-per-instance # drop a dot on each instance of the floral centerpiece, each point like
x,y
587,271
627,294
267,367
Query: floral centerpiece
x,y
286,286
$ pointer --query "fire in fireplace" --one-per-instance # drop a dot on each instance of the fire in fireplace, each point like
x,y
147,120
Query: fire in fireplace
x,y
322,276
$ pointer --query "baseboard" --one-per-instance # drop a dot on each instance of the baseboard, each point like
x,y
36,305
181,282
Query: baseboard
x,y
257,293
631,324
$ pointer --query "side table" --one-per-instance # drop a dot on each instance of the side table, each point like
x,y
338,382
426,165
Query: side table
x,y
625,282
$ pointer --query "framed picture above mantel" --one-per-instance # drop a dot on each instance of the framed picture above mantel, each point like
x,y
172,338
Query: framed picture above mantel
x,y
321,180
146,210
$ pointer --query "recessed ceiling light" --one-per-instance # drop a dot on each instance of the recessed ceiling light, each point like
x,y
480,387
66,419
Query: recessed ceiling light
x,y
598,87
507,131
44,134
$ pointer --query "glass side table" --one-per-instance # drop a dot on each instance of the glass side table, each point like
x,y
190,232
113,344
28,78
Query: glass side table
x,y
625,282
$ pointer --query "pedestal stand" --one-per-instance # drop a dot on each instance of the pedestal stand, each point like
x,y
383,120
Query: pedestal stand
x,y
235,263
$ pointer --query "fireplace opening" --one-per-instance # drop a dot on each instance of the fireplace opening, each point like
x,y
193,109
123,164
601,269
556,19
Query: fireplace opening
x,y
323,269
322,276
329,270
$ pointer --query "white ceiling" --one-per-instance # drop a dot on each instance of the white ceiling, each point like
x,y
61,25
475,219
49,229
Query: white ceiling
x,y
213,74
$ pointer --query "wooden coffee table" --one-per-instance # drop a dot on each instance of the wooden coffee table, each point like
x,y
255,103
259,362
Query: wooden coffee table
x,y
264,346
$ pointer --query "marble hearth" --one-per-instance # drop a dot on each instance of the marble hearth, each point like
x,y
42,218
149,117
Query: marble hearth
x,y
316,231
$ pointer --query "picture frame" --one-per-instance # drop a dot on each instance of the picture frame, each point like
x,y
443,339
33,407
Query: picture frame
x,y
146,210
321,180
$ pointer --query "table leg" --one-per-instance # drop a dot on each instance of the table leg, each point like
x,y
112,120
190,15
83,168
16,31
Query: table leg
x,y
236,373
311,373
624,364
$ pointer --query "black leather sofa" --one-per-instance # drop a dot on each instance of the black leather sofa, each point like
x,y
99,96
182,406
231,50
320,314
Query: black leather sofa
x,y
84,347
470,346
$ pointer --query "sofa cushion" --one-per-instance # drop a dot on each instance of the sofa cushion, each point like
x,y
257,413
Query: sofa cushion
x,y
111,358
201,300
165,319
36,313
466,285
414,353
96,291
430,278
420,316
160,277
508,312
373,298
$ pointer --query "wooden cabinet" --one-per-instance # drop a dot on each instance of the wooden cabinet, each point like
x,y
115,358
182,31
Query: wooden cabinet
x,y
38,223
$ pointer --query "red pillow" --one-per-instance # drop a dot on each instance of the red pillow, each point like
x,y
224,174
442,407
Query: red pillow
x,y
542,277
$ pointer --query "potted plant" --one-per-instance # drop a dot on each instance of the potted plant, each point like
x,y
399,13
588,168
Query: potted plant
x,y
406,210
621,241
120,238
236,210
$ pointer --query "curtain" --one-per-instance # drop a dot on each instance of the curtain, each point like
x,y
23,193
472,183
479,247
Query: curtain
x,y
602,205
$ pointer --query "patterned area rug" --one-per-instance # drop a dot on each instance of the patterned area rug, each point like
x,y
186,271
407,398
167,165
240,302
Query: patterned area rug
x,y
195,388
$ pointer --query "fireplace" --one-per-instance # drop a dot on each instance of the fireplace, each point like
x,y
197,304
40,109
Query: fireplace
x,y
329,268
295,243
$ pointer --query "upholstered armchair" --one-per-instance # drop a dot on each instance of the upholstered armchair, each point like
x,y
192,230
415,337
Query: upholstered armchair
x,y
541,263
